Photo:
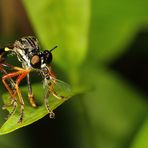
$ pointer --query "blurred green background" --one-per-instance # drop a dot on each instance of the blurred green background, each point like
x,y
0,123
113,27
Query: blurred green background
x,y
103,49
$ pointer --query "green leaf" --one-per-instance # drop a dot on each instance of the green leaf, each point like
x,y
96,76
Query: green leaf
x,y
64,23
107,115
114,25
140,140
30,114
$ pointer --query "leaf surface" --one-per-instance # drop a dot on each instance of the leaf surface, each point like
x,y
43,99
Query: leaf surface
x,y
30,114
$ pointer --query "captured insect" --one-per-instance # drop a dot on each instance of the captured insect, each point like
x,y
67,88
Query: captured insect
x,y
32,58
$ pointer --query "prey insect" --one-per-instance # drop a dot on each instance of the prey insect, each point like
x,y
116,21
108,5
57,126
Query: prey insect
x,y
32,58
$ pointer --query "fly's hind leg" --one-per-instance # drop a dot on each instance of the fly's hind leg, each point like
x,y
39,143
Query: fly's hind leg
x,y
22,75
10,87
14,103
21,104
11,92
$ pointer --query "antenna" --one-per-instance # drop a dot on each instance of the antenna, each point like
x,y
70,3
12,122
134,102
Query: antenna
x,y
53,48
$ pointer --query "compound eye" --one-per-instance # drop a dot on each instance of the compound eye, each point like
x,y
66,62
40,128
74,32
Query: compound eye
x,y
35,61
47,57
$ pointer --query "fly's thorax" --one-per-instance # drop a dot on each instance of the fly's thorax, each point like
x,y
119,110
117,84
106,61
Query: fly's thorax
x,y
28,43
25,48
22,57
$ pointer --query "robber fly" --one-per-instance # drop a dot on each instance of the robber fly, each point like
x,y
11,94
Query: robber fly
x,y
32,58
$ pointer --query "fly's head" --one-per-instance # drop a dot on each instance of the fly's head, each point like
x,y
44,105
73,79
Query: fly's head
x,y
41,61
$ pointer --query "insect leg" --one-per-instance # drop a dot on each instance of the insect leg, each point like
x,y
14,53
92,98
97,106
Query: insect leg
x,y
30,93
8,76
22,73
14,103
51,113
11,92
51,86
12,85
53,92
19,79
11,81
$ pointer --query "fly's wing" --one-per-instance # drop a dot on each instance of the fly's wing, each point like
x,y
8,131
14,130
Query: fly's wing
x,y
58,88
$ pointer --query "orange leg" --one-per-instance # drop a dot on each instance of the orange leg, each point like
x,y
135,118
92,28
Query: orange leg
x,y
19,79
21,73
12,93
11,82
8,76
